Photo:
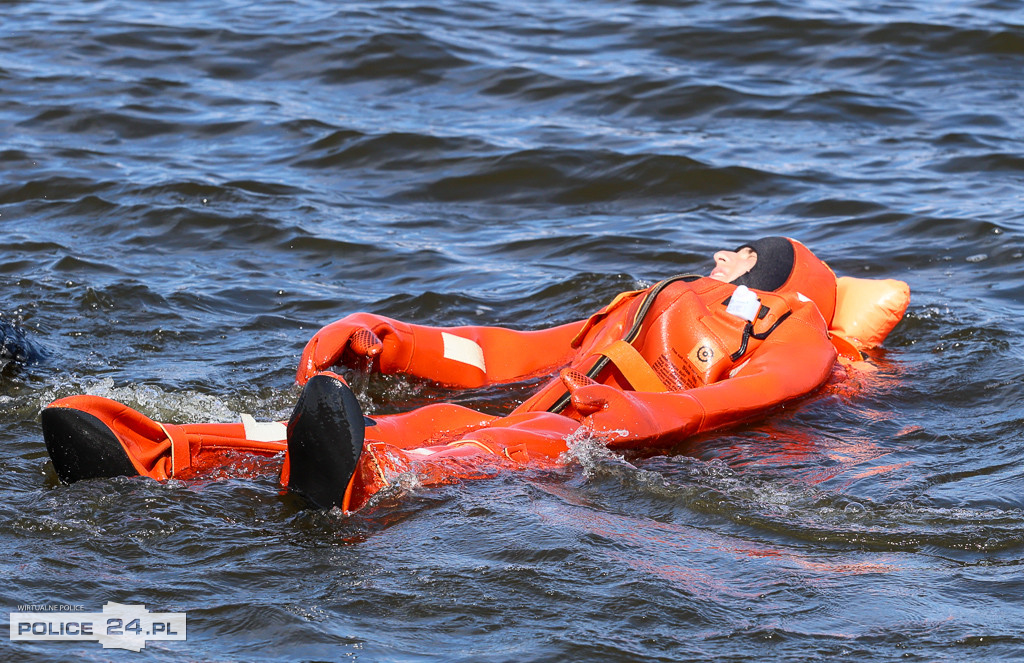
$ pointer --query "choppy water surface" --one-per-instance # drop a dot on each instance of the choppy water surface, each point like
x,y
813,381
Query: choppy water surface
x,y
189,190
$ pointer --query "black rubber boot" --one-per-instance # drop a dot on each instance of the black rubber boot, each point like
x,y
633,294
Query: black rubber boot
x,y
82,447
325,440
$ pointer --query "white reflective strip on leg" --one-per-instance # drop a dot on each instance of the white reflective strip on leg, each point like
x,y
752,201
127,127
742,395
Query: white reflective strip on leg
x,y
263,431
463,350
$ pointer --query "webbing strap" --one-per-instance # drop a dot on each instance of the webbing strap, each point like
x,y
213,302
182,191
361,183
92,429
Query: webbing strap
x,y
634,331
181,454
633,367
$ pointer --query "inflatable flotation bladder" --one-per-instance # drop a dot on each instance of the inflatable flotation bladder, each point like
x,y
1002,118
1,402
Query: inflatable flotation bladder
x,y
867,310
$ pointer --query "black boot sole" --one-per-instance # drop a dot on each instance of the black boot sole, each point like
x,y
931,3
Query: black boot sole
x,y
325,440
82,447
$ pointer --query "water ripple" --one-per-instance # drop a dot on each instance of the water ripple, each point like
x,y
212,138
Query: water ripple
x,y
188,194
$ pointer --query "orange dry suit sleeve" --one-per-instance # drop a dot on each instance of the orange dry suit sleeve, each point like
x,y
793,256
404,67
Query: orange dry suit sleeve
x,y
794,361
454,356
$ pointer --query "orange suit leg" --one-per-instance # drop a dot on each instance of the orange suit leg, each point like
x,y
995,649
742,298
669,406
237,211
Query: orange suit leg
x,y
429,425
534,438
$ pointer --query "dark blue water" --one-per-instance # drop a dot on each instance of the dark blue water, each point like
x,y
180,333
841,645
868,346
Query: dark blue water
x,y
189,190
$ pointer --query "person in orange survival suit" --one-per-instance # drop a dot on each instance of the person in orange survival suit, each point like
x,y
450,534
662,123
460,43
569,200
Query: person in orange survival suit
x,y
688,355
648,370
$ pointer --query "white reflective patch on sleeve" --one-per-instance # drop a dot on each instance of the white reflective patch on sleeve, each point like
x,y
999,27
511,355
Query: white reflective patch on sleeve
x,y
802,297
463,350
263,431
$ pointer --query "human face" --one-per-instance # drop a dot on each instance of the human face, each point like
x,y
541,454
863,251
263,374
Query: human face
x,y
730,265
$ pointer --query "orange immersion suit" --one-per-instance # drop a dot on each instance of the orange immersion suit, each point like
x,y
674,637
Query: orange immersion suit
x,y
650,369
692,367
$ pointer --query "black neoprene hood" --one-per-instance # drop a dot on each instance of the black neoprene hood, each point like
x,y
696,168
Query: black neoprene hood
x,y
774,264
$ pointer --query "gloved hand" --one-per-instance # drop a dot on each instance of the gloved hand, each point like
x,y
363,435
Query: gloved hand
x,y
361,335
631,418
607,409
